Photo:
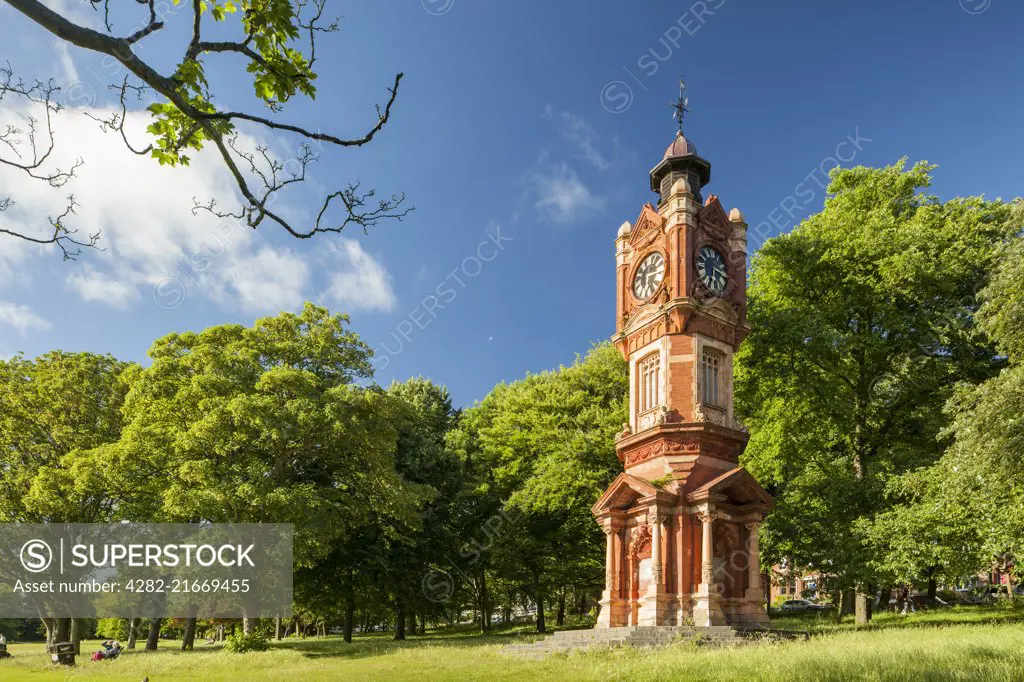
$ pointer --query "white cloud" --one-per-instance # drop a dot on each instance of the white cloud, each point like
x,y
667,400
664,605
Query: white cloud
x,y
150,235
21,317
582,134
91,285
359,282
560,194
269,280
67,64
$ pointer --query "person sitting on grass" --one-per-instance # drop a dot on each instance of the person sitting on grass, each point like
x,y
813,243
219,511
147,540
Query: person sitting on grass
x,y
111,648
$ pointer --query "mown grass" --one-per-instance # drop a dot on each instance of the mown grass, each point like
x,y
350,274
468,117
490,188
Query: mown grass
x,y
961,644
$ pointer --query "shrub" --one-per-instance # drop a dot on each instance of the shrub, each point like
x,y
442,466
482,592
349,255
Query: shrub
x,y
112,628
240,643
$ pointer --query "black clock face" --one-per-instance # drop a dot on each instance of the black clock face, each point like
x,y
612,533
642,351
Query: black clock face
x,y
711,269
649,275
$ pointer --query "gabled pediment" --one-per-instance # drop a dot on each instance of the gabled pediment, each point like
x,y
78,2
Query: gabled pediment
x,y
736,487
625,491
713,217
647,227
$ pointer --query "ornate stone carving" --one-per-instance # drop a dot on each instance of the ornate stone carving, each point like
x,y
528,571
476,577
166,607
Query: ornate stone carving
x,y
648,228
659,447
709,414
713,219
640,544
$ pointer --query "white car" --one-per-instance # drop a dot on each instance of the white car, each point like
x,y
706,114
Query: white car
x,y
794,605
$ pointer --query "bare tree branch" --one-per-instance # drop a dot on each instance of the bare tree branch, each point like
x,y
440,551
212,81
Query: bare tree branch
x,y
60,235
258,175
28,150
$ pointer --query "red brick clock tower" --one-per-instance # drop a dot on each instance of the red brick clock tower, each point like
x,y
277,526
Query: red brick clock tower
x,y
681,520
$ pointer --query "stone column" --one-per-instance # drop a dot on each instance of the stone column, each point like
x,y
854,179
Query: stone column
x,y
654,602
707,559
707,609
753,561
752,609
610,613
656,558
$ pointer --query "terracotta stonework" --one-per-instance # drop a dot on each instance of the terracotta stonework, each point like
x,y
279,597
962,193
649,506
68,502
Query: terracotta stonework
x,y
681,521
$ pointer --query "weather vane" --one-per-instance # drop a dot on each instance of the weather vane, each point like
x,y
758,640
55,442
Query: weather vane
x,y
680,105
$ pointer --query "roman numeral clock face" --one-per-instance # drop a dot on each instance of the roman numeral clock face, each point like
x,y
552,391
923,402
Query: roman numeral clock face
x,y
711,270
649,276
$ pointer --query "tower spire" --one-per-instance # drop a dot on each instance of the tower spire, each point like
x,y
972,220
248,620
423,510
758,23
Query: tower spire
x,y
679,106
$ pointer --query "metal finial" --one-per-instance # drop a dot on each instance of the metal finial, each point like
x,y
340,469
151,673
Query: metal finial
x,y
680,105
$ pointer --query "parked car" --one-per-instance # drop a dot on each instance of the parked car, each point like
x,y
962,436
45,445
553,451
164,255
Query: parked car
x,y
798,605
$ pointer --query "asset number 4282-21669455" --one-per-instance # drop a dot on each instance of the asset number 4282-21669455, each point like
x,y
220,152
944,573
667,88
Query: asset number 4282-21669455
x,y
233,585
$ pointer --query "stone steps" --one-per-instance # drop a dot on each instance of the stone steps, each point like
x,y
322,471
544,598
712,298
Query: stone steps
x,y
645,636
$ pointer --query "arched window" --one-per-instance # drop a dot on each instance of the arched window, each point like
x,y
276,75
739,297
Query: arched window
x,y
648,379
712,371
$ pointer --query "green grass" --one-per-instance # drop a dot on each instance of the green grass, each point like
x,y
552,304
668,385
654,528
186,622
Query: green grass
x,y
955,644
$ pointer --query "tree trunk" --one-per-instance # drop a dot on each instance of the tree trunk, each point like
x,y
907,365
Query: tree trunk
x,y
410,622
133,626
560,616
485,603
863,608
51,626
933,587
248,625
350,613
423,623
400,622
188,638
63,633
153,638
76,634
538,596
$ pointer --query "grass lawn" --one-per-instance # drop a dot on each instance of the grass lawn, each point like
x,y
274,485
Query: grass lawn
x,y
953,644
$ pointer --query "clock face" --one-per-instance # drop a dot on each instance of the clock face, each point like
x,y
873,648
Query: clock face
x,y
711,269
649,275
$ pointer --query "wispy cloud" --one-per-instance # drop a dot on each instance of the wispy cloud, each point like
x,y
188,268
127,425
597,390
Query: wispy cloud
x,y
358,282
21,317
583,136
559,193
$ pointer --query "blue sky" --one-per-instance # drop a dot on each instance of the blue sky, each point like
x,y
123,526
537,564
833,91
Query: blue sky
x,y
536,121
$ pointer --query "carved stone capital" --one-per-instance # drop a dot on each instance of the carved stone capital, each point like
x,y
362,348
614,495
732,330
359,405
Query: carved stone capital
x,y
706,516
752,526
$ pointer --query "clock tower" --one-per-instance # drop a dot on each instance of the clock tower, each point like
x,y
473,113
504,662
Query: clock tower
x,y
682,519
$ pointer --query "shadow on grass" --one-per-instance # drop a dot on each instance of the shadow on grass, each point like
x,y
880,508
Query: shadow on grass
x,y
364,647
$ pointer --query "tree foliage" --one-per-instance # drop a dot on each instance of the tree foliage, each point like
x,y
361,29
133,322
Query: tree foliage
x,y
543,448
863,324
967,510
52,410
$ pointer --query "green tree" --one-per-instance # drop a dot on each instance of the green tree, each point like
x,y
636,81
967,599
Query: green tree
x,y
970,504
53,410
863,322
543,449
260,424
